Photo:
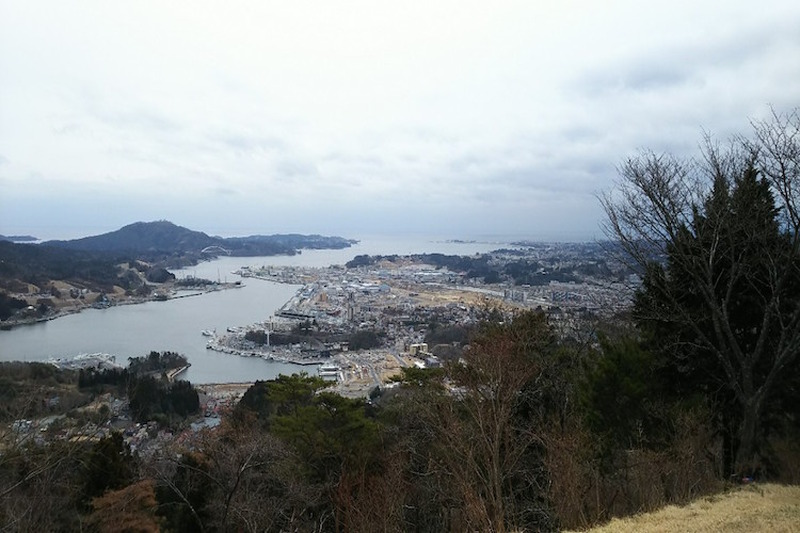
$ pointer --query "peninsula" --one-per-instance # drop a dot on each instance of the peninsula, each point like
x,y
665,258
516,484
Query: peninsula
x,y
129,265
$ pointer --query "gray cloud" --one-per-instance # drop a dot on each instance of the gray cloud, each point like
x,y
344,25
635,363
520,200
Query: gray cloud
x,y
485,126
293,169
226,191
245,143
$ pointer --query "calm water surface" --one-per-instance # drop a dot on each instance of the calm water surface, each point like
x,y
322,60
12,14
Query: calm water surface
x,y
175,325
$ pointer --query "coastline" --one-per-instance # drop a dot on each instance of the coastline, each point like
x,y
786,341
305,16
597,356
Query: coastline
x,y
134,332
10,324
267,356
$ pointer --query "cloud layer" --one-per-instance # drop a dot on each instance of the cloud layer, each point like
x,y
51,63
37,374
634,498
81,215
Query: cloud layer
x,y
453,118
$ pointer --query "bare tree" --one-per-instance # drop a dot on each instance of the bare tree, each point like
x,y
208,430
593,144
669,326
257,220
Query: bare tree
x,y
483,447
248,480
131,508
39,477
718,243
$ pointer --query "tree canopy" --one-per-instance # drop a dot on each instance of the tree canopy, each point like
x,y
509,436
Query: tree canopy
x,y
717,241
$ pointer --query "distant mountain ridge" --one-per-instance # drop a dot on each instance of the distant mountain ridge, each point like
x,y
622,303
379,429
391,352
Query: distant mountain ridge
x,y
121,264
18,238
159,236
163,236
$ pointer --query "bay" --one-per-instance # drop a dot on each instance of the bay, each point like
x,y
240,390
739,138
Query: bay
x,y
175,325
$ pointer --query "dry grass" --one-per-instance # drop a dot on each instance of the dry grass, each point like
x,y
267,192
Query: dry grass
x,y
769,507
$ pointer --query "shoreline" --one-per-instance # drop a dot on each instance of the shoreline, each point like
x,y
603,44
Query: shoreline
x,y
8,325
262,355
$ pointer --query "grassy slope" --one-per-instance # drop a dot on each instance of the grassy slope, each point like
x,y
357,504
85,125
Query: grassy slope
x,y
769,507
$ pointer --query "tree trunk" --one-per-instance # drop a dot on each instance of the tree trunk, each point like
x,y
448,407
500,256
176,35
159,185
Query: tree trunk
x,y
747,454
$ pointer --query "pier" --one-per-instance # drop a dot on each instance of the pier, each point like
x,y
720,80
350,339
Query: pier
x,y
175,372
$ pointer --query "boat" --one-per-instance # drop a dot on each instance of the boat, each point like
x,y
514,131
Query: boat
x,y
207,333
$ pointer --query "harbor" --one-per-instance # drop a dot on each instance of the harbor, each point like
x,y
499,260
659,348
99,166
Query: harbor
x,y
174,325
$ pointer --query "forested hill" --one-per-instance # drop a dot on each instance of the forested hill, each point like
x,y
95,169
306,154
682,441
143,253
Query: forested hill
x,y
18,238
37,264
161,236
165,237
128,259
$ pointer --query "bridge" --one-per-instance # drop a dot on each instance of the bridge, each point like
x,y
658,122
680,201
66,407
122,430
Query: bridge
x,y
215,250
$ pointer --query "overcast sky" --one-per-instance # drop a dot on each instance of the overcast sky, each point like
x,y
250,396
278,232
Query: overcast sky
x,y
453,118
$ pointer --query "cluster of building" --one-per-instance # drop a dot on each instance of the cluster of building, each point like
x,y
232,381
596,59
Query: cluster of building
x,y
108,414
399,298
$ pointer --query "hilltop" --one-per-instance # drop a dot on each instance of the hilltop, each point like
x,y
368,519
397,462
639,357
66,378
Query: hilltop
x,y
164,237
159,236
127,265
769,507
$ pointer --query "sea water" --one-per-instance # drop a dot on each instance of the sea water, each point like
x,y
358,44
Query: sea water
x,y
175,325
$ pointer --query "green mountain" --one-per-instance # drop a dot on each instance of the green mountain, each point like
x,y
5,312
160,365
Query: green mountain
x,y
164,237
160,236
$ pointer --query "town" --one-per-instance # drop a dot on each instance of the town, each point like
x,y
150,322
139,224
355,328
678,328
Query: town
x,y
364,321
357,325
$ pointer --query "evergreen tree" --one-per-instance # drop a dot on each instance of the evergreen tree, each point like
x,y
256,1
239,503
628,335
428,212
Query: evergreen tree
x,y
723,308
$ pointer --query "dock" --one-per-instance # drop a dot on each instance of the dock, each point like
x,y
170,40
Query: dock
x,y
175,372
